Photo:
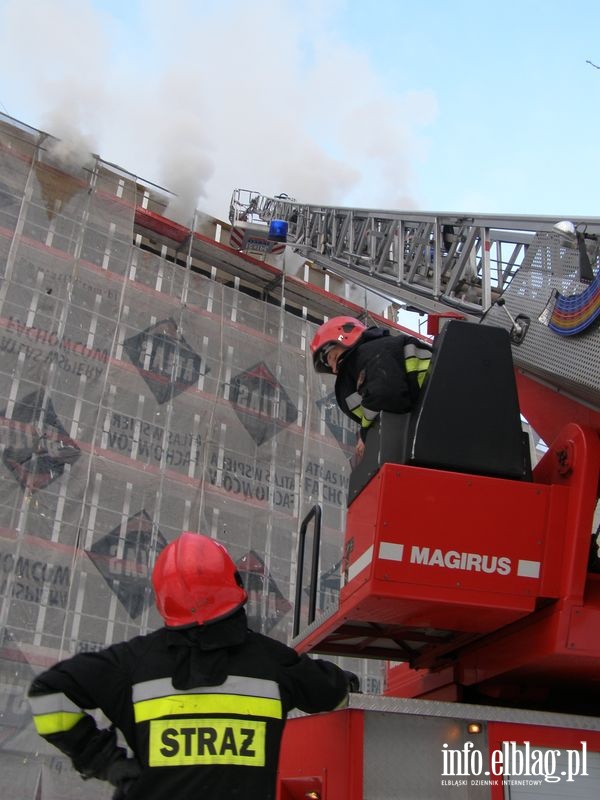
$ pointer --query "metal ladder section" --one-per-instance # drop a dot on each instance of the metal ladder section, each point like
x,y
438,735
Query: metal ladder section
x,y
428,262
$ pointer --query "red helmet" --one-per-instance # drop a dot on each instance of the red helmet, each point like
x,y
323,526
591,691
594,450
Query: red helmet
x,y
195,582
343,331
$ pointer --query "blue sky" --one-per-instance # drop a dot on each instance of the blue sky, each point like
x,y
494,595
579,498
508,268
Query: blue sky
x,y
455,106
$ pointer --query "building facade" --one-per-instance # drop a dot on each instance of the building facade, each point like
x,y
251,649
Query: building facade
x,y
142,392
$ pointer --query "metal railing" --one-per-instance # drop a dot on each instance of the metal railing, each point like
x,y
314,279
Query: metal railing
x,y
426,261
313,514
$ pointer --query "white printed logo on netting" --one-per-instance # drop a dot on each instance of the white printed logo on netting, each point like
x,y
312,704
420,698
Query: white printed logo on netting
x,y
261,403
124,563
37,445
164,359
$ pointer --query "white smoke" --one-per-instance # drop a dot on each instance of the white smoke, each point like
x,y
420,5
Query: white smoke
x,y
69,145
203,98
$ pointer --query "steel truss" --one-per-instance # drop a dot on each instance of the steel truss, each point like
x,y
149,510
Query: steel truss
x,y
431,262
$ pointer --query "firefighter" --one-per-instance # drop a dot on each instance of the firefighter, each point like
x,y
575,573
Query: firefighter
x,y
201,702
374,370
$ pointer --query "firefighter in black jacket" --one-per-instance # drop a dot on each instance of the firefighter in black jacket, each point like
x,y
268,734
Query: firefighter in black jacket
x,y
375,370
201,703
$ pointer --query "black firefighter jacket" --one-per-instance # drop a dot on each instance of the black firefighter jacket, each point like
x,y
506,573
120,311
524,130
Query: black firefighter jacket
x,y
381,372
202,709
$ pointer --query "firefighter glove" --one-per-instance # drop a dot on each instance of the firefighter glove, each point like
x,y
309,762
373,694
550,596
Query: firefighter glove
x,y
99,752
122,774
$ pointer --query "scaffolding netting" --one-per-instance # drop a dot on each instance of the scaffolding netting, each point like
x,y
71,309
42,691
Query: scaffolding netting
x,y
138,398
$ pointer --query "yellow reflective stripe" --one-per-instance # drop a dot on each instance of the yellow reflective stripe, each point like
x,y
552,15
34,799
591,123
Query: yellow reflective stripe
x,y
59,722
365,416
417,364
364,421
207,704
185,742
358,412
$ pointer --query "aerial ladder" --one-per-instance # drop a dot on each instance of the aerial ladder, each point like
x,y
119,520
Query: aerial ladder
x,y
471,570
535,276
463,560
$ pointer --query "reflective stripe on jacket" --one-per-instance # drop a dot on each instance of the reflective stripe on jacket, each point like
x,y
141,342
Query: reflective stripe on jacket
x,y
207,704
381,372
416,360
